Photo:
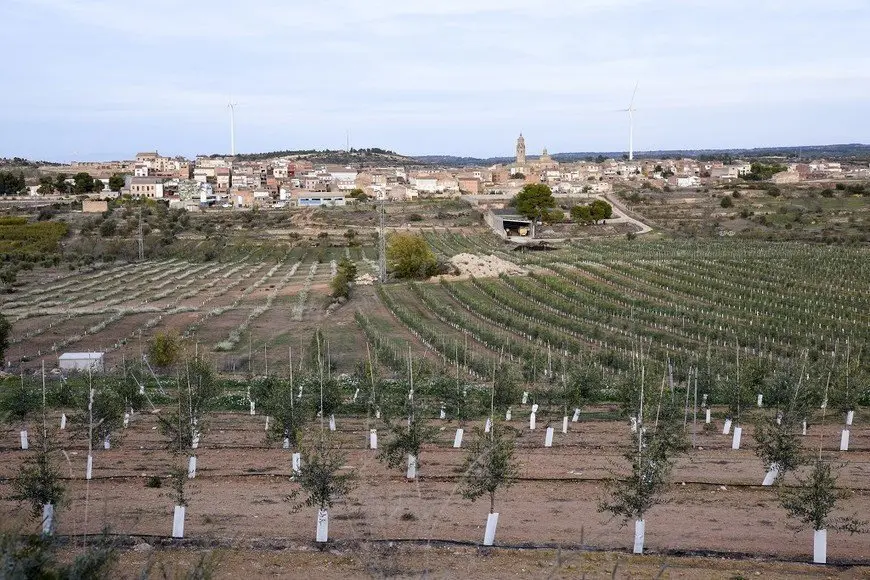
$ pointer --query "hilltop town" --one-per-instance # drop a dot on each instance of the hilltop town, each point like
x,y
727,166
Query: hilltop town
x,y
299,180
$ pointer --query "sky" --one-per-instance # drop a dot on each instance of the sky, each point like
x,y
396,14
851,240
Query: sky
x,y
104,79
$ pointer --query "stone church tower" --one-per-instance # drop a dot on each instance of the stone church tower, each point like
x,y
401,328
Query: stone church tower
x,y
521,150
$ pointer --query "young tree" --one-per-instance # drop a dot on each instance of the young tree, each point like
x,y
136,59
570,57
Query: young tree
x,y
186,421
813,501
489,464
409,256
506,388
290,414
38,482
408,438
651,457
815,498
320,478
99,413
777,433
19,401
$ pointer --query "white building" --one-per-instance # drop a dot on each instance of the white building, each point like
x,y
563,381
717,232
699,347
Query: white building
x,y
81,361
426,184
691,181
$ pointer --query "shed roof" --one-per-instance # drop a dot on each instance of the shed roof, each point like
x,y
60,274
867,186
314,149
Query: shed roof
x,y
81,355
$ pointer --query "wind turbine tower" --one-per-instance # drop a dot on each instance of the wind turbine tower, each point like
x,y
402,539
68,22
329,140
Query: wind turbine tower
x,y
232,107
630,110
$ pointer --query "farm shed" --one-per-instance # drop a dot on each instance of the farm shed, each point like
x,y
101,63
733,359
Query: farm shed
x,y
81,361
507,222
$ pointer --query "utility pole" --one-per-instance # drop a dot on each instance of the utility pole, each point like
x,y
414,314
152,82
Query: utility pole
x,y
382,242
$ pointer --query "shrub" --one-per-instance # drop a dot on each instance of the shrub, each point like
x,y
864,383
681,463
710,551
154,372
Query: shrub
x,y
164,349
409,256
726,202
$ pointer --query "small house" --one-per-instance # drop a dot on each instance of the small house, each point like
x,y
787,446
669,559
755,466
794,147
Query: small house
x,y
81,361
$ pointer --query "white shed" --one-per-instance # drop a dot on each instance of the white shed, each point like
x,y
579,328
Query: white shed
x,y
81,361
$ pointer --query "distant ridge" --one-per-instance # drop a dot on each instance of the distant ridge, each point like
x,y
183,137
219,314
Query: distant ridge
x,y
369,157
856,151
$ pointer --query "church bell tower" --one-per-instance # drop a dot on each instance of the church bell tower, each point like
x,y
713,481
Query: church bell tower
x,y
521,150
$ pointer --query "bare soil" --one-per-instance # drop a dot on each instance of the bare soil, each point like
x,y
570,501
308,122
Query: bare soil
x,y
716,507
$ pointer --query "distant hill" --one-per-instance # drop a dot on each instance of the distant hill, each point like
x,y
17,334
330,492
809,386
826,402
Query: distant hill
x,y
856,151
371,157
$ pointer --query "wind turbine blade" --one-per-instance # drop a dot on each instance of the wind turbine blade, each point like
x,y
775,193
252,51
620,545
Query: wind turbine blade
x,y
631,104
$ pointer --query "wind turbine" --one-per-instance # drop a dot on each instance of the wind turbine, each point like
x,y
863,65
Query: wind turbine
x,y
232,107
630,110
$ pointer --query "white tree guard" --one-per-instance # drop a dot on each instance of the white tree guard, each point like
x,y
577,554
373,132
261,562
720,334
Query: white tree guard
x,y
297,463
820,546
491,524
411,473
25,442
565,424
639,532
322,526
47,519
844,440
576,416
373,438
771,475
735,442
191,467
178,522
532,419
548,438
457,439
726,429
89,470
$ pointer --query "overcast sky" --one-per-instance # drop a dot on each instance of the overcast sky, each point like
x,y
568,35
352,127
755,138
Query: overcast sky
x,y
103,79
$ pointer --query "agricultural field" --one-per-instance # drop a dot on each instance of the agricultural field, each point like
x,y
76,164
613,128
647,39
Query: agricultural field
x,y
825,212
240,310
566,342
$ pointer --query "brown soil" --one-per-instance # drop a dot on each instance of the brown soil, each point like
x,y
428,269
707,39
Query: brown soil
x,y
237,500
